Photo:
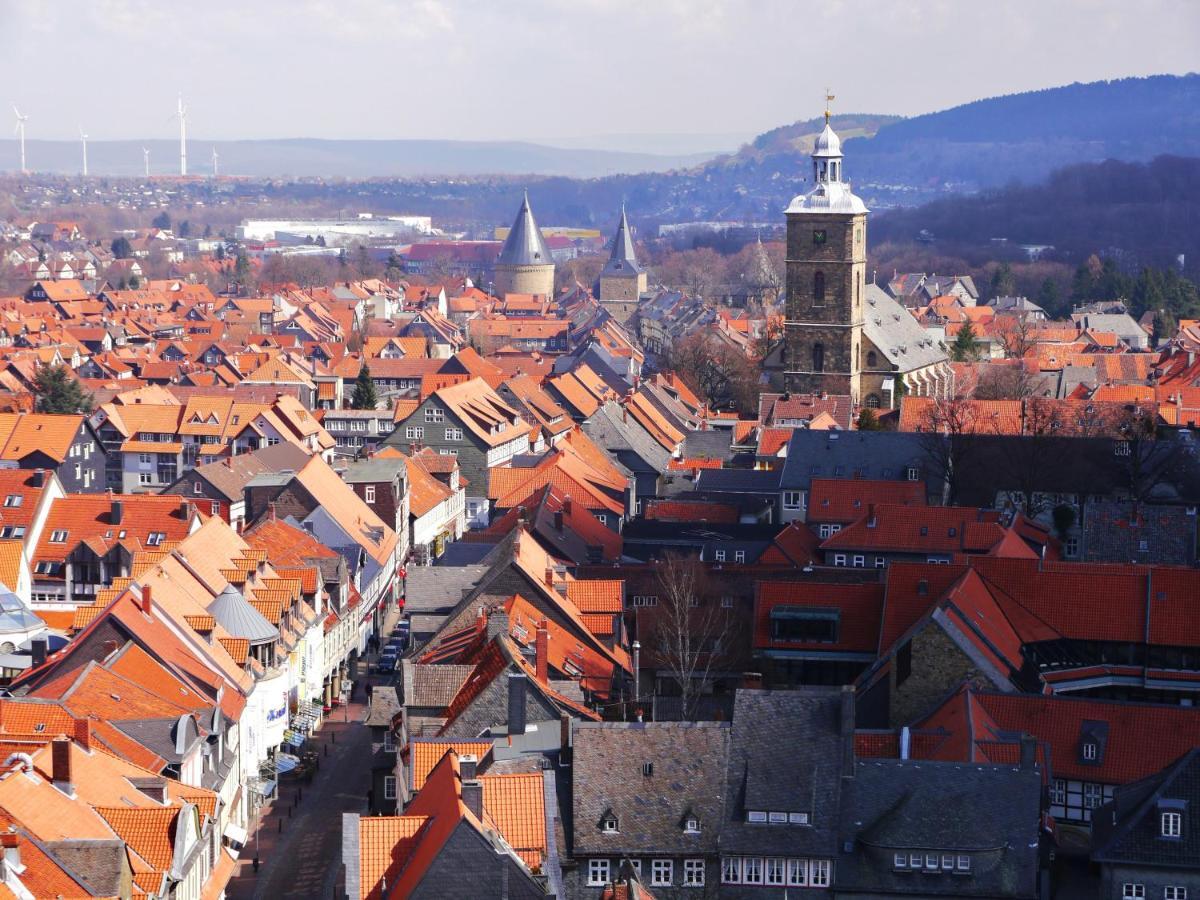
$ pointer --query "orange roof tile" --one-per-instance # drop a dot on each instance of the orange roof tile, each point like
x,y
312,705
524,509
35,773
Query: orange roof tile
x,y
425,755
515,804
596,595
148,831
384,846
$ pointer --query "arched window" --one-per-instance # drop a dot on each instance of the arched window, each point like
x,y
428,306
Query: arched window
x,y
818,287
818,357
871,359
873,401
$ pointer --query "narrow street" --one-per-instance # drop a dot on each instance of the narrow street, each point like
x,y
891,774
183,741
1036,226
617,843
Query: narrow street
x,y
300,834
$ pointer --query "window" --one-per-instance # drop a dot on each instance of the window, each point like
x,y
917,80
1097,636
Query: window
x,y
797,872
691,826
145,478
739,556
819,873
693,873
880,562
805,624
872,361
791,499
719,556
214,509
914,474
1058,792
58,536
947,862
414,433
731,870
14,500
777,818
963,863
1071,546
389,787
662,872
370,493
434,414
609,825
1131,891
818,357
859,561
602,519
650,600
752,872
145,458
756,815
839,559
818,287
797,818
726,602
1093,795
819,236
454,434
931,861
1089,751
198,489
156,538
389,742
597,872
1174,893
1172,824
647,769
776,870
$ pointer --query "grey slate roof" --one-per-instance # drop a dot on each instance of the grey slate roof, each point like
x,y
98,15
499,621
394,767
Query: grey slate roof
x,y
97,864
235,614
431,685
1127,829
787,753
230,476
625,439
687,760
525,245
901,339
711,444
991,813
740,481
438,589
882,455
374,470
383,707
622,262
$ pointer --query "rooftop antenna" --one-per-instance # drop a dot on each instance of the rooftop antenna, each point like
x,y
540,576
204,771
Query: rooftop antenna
x,y
83,139
216,171
829,98
146,160
20,132
181,115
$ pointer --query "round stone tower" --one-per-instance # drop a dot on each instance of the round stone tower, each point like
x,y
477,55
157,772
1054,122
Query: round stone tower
x,y
525,265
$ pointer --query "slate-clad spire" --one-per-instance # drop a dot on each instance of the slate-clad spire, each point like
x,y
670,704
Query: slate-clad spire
x,y
525,245
622,260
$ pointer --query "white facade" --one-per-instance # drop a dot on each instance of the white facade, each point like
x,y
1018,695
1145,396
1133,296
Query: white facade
x,y
334,229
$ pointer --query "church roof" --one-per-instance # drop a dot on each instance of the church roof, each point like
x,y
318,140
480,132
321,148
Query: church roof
x,y
828,143
896,334
622,261
525,245
235,614
830,195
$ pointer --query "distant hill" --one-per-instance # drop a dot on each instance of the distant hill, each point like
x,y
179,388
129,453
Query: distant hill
x,y
1139,213
308,157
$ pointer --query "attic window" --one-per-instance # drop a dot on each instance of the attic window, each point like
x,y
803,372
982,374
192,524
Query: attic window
x,y
1089,751
155,538
647,769
1172,824
58,536
691,826
14,500
756,815
609,825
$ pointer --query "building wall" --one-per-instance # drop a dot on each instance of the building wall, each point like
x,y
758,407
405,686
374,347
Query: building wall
x,y
834,323
618,289
1114,878
938,665
524,280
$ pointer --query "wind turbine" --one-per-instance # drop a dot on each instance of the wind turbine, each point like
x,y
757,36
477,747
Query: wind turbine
x,y
181,115
20,130
216,171
83,138
146,160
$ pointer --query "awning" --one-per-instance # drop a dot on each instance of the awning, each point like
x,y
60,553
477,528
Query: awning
x,y
285,762
236,833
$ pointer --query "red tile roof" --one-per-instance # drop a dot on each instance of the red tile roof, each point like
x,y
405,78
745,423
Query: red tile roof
x,y
859,605
843,500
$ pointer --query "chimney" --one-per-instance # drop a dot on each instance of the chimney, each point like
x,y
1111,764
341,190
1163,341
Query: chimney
x,y
905,742
636,647
146,604
60,766
558,520
752,681
847,730
118,512
38,479
12,852
566,504
542,653
871,521
516,703
38,651
497,623
549,577
83,733
472,796
1028,752
468,766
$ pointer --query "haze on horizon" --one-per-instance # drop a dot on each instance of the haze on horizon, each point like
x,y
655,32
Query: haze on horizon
x,y
550,70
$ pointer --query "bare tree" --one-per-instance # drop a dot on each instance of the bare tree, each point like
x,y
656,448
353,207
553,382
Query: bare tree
x,y
1035,460
691,628
1006,382
950,437
1016,334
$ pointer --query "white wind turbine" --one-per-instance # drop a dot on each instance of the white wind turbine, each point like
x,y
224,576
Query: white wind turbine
x,y
20,130
216,171
83,139
181,115
146,160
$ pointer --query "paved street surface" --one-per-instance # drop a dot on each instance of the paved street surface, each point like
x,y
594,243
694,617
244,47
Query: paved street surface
x,y
303,861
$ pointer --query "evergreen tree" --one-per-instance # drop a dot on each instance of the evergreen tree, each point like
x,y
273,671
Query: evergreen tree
x,y
56,390
364,390
220,252
121,248
1048,297
1004,283
162,221
241,269
965,347
868,420
134,282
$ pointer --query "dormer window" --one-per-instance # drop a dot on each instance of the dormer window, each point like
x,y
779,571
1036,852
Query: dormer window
x,y
691,825
756,816
609,824
1172,824
1089,751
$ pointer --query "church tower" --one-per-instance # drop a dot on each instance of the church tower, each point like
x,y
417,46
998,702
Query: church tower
x,y
622,281
825,279
525,265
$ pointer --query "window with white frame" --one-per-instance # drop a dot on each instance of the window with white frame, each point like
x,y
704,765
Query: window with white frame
x,y
389,787
1133,891
791,499
662,872
962,863
435,414
414,433
880,562
797,872
731,870
752,872
726,602
839,559
1174,892
859,560
370,493
914,474
900,861
597,872
1089,751
693,873
645,600
389,742
691,826
775,870
145,478
58,536
1093,795
609,825
719,555
454,434
819,872
739,556
1172,824
14,500
947,862
1058,792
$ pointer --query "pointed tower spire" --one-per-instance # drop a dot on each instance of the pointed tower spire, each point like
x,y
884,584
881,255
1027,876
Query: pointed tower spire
x,y
622,281
622,248
525,265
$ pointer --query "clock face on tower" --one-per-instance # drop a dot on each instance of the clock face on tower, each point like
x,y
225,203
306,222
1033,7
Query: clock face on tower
x,y
819,236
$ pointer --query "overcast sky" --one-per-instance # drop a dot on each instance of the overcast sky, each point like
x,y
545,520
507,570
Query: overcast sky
x,y
544,69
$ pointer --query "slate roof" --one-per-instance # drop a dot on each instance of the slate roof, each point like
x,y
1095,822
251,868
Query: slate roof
x,y
858,454
432,685
897,335
787,753
740,481
892,806
525,245
230,476
687,760
438,589
1128,828
238,617
622,262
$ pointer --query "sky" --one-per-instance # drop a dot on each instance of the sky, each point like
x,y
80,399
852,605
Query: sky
x,y
551,70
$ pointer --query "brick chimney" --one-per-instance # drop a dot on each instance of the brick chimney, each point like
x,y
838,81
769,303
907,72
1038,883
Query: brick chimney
x,y
558,520
542,653
38,651
871,520
1028,758
566,504
83,733
468,766
118,511
146,605
38,479
472,796
60,767
549,577
846,721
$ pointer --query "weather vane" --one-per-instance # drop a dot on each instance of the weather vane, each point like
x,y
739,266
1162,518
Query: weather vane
x,y
829,98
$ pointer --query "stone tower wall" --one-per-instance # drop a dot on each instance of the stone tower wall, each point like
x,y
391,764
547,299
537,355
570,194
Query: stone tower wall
x,y
524,280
